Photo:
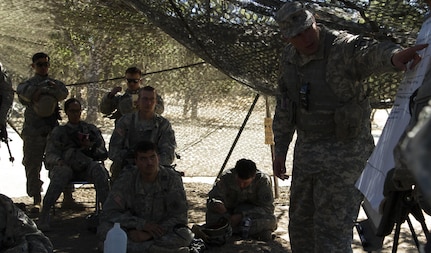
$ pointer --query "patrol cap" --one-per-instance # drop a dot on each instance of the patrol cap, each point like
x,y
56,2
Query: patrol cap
x,y
45,106
293,18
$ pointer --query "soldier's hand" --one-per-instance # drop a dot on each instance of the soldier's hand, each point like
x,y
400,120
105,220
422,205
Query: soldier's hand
x,y
401,58
139,236
115,90
235,219
218,206
36,95
154,229
279,167
3,133
52,83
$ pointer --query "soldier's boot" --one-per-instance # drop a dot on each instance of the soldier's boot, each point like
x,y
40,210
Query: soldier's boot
x,y
68,200
158,249
265,235
44,219
37,199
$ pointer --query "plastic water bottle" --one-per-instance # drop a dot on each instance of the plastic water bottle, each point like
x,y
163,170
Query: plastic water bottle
x,y
116,240
245,227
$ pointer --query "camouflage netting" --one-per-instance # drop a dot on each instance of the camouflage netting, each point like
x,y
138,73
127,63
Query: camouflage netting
x,y
240,37
207,58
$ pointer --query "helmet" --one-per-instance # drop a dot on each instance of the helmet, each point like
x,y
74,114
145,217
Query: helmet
x,y
45,106
216,234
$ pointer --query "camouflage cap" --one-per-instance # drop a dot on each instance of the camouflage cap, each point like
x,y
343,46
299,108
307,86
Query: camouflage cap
x,y
293,19
45,106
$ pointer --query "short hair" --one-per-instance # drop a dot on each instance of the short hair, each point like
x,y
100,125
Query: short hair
x,y
147,88
245,168
134,70
145,146
71,101
38,56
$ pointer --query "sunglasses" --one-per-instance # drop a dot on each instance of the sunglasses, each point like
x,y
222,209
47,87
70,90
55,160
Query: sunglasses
x,y
133,80
42,64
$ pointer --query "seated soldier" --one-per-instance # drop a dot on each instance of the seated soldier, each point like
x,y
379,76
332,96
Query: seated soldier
x,y
243,193
149,202
18,233
142,125
74,151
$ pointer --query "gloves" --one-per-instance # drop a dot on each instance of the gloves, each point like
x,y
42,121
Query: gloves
x,y
3,133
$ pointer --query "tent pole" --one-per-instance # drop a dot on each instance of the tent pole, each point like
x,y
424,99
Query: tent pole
x,y
271,146
238,135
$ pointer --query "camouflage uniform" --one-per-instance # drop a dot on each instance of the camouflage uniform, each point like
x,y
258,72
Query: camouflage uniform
x,y
133,203
129,130
36,129
6,93
256,201
332,121
119,105
18,233
77,163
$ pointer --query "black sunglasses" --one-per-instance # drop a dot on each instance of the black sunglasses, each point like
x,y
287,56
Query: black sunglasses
x,y
42,64
133,80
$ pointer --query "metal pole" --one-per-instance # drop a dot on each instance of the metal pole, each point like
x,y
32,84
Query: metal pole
x,y
238,135
271,146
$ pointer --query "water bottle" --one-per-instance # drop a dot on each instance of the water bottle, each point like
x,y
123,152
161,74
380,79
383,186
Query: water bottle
x,y
245,227
116,240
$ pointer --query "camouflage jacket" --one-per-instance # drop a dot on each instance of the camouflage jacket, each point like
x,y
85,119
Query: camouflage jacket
x,y
327,81
133,204
118,105
129,130
18,233
64,144
6,93
33,124
258,194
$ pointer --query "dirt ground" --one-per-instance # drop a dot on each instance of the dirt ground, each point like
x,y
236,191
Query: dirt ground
x,y
69,232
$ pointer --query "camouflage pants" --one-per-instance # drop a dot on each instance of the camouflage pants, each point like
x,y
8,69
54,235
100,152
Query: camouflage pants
x,y
115,170
33,149
62,175
323,207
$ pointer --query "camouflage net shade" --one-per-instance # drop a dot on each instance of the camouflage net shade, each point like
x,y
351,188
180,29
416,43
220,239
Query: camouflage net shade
x,y
240,37
85,40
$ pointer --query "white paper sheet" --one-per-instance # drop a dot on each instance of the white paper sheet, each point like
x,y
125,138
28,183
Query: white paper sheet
x,y
382,159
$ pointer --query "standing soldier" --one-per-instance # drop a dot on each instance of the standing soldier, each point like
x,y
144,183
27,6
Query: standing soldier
x,y
40,95
118,105
322,98
142,125
6,99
